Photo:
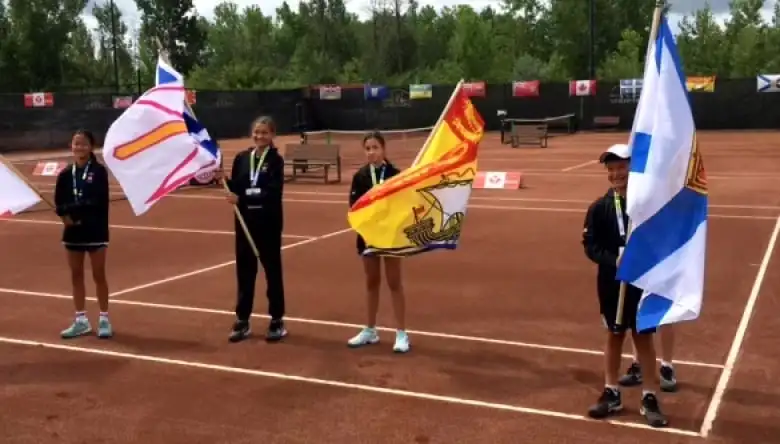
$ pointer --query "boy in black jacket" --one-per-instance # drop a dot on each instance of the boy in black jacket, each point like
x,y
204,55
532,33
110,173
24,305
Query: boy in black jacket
x,y
256,183
604,237
81,198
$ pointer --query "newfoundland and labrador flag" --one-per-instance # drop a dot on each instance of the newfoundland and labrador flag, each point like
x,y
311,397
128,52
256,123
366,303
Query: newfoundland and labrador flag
x,y
15,195
424,207
667,195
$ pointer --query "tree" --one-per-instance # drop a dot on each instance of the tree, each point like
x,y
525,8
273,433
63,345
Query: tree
x,y
627,61
175,23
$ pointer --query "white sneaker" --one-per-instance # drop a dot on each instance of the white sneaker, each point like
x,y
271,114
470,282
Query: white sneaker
x,y
367,336
401,342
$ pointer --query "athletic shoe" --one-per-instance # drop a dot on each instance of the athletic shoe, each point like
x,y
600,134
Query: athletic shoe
x,y
240,331
79,327
633,376
401,342
276,331
367,336
104,328
668,379
609,403
652,411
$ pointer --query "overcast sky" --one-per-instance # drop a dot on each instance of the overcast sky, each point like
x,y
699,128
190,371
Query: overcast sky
x,y
206,7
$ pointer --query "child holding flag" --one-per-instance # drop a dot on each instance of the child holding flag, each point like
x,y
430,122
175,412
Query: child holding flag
x,y
376,171
81,197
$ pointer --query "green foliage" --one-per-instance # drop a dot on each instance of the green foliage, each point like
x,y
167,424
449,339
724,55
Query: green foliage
x,y
45,45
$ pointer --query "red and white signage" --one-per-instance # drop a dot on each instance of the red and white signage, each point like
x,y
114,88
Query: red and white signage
x,y
498,180
475,89
39,100
49,169
527,88
582,88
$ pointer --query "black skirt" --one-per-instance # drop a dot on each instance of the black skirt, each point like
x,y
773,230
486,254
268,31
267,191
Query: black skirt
x,y
361,245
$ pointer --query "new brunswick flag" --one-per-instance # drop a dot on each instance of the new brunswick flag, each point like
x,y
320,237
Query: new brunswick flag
x,y
423,207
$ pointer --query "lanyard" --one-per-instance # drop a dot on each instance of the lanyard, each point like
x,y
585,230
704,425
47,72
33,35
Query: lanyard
x,y
619,215
381,179
77,191
254,170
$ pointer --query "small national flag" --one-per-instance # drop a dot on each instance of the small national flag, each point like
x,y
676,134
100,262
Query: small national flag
x,y
330,92
420,92
768,83
700,84
581,88
526,88
39,100
15,195
630,88
474,89
376,92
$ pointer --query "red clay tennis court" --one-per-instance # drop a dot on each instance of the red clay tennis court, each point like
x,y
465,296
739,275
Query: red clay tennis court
x,y
505,330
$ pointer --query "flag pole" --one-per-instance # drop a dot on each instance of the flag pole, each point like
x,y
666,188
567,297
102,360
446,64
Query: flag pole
x,y
27,182
164,55
659,6
438,122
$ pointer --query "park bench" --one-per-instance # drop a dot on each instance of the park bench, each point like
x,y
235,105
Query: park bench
x,y
530,134
606,122
313,159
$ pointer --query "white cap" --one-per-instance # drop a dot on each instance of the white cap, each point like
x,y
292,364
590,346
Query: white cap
x,y
620,150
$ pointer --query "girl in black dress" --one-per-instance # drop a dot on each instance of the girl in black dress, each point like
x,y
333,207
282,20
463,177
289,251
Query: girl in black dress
x,y
377,170
81,197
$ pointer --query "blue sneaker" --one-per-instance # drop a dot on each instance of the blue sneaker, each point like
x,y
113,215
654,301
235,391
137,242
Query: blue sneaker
x,y
79,327
104,328
366,336
401,342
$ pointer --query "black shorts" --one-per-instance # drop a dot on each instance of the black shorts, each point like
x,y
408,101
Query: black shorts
x,y
608,304
361,245
85,248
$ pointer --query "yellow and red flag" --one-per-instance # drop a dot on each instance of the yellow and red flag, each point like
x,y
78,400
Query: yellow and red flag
x,y
423,207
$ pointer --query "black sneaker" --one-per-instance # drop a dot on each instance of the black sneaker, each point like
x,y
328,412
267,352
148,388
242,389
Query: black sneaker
x,y
276,331
652,411
668,379
633,376
240,331
609,403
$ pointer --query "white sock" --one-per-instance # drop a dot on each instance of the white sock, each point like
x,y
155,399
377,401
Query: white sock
x,y
647,392
614,388
104,315
81,316
666,364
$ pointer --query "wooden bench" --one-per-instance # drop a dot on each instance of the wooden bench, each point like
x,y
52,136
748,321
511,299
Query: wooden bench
x,y
606,122
313,159
529,135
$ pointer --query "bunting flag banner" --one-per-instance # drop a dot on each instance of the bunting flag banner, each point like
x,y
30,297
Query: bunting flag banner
x,y
423,208
768,83
420,92
376,92
330,92
700,84
525,88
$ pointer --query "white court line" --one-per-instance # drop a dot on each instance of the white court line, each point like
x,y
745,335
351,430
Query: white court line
x,y
218,266
739,337
337,384
146,228
454,337
579,165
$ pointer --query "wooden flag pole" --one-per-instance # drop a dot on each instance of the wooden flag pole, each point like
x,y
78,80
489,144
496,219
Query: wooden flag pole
x,y
659,5
438,122
241,221
21,176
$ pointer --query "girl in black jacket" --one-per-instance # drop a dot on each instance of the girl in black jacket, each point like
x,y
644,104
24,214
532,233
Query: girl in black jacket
x,y
377,170
81,197
256,184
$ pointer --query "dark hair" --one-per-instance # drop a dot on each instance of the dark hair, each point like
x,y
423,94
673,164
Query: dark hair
x,y
87,134
376,135
264,120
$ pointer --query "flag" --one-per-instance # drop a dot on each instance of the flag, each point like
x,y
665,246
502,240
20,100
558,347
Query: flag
x,y
423,207
667,195
700,84
582,88
768,83
150,149
526,88
630,88
165,75
39,100
376,92
15,195
420,91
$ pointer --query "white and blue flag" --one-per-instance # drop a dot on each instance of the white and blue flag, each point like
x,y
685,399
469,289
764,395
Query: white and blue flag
x,y
666,196
165,74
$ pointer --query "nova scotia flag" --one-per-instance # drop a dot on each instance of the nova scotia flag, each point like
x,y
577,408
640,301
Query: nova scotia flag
x,y
667,195
165,73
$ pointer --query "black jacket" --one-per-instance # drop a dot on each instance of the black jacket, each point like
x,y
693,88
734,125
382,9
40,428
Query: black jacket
x,y
602,241
362,182
264,208
90,211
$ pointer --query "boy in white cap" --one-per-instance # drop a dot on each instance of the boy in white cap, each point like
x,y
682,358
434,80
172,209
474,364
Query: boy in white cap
x,y
604,236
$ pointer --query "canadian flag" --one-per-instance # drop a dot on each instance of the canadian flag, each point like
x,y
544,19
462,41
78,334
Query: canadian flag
x,y
582,88
39,100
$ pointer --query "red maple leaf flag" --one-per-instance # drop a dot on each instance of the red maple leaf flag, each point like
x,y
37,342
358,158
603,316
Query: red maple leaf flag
x,y
582,88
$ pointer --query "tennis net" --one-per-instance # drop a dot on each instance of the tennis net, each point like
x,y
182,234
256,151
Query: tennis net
x,y
558,125
402,145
